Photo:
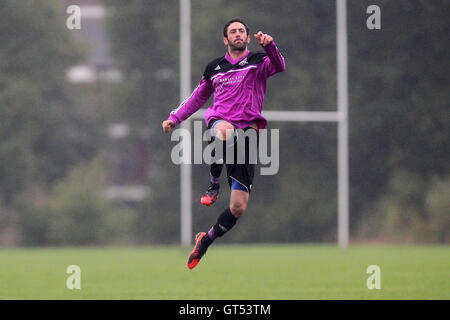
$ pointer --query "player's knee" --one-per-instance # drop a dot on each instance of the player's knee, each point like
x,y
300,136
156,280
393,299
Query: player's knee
x,y
238,208
224,131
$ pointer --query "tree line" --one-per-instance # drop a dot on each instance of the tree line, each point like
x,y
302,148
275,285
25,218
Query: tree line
x,y
56,160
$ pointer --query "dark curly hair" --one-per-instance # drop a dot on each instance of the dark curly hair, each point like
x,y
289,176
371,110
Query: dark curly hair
x,y
225,29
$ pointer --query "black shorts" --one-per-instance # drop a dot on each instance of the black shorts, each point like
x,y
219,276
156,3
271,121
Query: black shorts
x,y
241,168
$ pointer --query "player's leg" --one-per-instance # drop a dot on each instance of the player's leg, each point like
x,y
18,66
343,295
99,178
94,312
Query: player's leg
x,y
238,202
221,130
240,179
240,189
225,222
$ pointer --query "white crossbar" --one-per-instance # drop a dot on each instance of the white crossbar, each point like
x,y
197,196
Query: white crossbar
x,y
293,116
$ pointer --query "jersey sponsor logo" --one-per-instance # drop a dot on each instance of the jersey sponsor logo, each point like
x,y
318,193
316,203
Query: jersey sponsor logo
x,y
233,70
243,62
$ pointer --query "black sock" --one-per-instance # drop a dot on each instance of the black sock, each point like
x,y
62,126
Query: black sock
x,y
224,223
206,241
216,170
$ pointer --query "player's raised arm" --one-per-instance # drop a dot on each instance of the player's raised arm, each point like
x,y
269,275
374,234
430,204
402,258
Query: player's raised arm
x,y
276,62
195,101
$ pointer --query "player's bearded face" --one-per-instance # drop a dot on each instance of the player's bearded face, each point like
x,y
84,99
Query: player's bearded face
x,y
237,38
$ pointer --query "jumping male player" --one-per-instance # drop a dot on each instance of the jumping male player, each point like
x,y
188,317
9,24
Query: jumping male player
x,y
238,81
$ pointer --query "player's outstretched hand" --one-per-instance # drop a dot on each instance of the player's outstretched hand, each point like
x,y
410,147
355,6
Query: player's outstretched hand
x,y
167,125
263,38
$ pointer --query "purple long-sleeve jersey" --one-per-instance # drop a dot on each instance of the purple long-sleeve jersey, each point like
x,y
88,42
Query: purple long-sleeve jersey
x,y
239,87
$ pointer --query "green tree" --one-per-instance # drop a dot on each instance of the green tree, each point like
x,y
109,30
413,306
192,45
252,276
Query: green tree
x,y
79,212
399,117
38,127
42,131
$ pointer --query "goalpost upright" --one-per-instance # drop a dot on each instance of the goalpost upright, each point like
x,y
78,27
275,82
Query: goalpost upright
x,y
342,106
340,117
185,91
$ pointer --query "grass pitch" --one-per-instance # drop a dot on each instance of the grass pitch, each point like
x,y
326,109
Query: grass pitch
x,y
288,272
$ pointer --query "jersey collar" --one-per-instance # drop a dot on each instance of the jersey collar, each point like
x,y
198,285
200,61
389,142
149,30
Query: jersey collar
x,y
233,61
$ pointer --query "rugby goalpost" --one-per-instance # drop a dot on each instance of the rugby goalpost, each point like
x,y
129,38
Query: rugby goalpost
x,y
340,117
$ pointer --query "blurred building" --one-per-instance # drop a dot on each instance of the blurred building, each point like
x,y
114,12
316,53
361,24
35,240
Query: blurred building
x,y
131,170
99,64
